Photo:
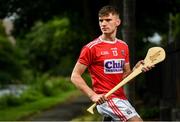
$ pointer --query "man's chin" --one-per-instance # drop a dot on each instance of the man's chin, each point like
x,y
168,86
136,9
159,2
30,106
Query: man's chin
x,y
105,32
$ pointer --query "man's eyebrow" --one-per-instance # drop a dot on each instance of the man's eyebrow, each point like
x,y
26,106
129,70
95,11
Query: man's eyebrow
x,y
106,19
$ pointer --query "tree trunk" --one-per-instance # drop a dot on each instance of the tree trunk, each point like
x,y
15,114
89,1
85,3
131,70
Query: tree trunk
x,y
8,25
129,37
88,17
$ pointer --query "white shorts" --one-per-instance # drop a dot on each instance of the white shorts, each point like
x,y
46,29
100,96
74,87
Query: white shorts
x,y
117,109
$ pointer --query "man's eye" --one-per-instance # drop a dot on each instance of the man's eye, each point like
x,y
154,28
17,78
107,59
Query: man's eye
x,y
100,20
108,20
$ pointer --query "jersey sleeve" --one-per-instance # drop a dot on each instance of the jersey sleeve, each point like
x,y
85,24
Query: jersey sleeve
x,y
85,56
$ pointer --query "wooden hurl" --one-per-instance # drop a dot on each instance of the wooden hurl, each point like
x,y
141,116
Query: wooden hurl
x,y
154,56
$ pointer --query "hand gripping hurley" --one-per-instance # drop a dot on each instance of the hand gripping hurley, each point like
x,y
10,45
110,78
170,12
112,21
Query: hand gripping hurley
x,y
154,56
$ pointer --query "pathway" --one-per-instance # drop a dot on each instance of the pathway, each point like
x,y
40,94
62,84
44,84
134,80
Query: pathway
x,y
63,112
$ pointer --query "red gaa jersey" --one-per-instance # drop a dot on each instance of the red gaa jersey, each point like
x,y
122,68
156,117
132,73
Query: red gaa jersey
x,y
105,61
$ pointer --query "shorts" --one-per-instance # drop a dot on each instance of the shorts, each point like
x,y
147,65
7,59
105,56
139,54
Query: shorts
x,y
117,109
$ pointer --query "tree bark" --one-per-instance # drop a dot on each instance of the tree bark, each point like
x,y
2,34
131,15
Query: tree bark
x,y
8,25
129,38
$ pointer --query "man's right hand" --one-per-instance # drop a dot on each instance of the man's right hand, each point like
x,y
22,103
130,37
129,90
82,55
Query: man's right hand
x,y
98,98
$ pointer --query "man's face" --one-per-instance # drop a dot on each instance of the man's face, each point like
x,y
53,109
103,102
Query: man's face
x,y
108,24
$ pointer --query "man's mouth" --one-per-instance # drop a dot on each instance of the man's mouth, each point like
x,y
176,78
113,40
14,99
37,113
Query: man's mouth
x,y
104,29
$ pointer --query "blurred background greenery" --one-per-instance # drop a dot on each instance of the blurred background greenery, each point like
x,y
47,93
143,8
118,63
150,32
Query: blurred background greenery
x,y
40,42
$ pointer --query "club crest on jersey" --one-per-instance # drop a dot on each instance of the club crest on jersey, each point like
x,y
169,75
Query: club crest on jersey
x,y
112,66
123,52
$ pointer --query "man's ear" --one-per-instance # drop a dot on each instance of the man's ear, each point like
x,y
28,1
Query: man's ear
x,y
118,22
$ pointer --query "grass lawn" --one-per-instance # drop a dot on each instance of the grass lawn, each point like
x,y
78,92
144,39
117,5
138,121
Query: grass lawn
x,y
19,112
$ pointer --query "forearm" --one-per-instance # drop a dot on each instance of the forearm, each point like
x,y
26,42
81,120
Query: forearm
x,y
126,74
129,71
80,83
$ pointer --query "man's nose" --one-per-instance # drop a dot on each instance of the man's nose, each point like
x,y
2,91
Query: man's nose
x,y
103,23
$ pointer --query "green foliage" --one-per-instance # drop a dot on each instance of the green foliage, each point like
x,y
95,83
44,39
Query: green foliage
x,y
10,100
64,67
87,77
44,86
46,43
3,103
56,85
31,95
27,109
2,31
10,64
176,27
149,113
175,31
11,69
28,76
50,46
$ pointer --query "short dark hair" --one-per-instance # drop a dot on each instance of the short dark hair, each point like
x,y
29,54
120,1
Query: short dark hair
x,y
106,10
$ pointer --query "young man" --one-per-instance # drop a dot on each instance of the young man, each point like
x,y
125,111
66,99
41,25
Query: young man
x,y
107,60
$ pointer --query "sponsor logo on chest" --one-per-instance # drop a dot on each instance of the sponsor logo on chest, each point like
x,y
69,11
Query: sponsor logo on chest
x,y
113,66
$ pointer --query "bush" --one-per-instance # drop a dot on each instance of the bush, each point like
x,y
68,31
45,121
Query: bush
x,y
31,95
56,85
3,103
10,100
149,113
13,100
50,86
43,86
11,68
46,44
51,46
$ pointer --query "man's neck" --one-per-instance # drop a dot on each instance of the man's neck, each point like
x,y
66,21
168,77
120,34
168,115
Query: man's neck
x,y
108,37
